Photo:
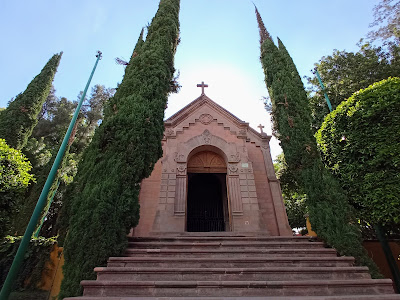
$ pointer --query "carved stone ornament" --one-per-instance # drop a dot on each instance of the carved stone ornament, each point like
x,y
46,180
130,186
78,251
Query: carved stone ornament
x,y
181,170
206,119
233,169
206,137
235,158
180,158
169,132
246,170
242,133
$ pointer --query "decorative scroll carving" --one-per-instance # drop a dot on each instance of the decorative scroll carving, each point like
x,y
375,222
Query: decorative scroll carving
x,y
169,132
180,158
181,170
234,158
242,133
206,119
206,137
233,169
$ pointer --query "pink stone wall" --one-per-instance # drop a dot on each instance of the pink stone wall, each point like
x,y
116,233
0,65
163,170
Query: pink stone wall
x,y
265,202
148,200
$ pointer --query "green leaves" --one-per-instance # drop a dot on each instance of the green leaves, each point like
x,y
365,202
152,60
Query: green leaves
x,y
14,168
34,261
20,117
15,176
344,73
326,202
367,162
102,203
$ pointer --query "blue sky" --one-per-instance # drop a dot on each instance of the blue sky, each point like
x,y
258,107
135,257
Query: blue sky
x,y
219,44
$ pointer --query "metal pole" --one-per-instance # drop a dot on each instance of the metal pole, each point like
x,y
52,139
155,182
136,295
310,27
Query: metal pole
x,y
37,231
323,89
380,234
19,257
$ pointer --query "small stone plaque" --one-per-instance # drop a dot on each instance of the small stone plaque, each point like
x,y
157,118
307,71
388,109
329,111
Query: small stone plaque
x,y
245,165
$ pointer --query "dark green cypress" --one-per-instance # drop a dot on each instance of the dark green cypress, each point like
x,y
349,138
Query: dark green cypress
x,y
125,86
20,117
329,210
104,196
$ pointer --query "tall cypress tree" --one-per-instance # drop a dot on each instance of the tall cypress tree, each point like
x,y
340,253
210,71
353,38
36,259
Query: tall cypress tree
x,y
104,196
327,203
20,117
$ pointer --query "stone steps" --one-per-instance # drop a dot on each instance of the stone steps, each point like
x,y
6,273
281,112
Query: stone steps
x,y
229,267
226,244
210,237
230,274
343,297
323,252
233,262
105,288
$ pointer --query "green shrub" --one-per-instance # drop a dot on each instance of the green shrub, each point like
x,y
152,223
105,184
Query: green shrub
x,y
34,261
14,168
360,144
14,178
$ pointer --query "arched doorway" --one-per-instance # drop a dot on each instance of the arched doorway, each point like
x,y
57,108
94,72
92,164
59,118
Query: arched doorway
x,y
207,201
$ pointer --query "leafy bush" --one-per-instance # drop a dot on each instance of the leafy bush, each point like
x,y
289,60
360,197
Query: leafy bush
x,y
359,142
14,168
294,199
35,258
14,178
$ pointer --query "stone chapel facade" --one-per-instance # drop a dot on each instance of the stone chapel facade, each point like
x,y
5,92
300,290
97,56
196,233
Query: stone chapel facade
x,y
216,174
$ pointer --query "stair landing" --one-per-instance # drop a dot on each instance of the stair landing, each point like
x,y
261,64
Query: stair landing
x,y
220,266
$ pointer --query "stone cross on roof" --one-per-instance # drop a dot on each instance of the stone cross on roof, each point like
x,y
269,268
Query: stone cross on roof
x,y
202,85
261,128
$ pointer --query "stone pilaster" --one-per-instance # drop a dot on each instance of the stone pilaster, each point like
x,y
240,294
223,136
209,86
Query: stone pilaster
x,y
276,193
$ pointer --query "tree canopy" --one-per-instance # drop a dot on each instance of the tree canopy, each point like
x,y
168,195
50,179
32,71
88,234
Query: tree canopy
x,y
360,144
102,203
387,17
344,73
43,146
327,204
20,117
14,178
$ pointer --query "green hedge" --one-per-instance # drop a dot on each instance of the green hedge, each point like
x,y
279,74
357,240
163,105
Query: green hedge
x,y
360,144
35,258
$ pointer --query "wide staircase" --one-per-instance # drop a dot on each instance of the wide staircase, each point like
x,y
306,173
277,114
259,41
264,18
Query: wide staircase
x,y
226,266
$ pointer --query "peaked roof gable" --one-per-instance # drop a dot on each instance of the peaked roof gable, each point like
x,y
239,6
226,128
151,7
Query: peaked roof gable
x,y
196,104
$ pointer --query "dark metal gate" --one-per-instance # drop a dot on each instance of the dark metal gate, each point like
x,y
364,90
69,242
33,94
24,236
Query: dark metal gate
x,y
204,206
